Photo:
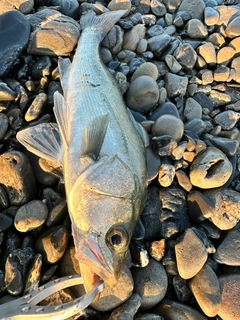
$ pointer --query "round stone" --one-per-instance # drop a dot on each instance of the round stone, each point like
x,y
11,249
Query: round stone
x,y
225,54
206,290
168,125
31,216
150,283
232,29
210,169
230,291
165,108
195,8
211,16
142,94
196,29
132,37
146,69
120,5
191,254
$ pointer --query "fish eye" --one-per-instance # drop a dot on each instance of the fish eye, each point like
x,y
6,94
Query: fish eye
x,y
117,238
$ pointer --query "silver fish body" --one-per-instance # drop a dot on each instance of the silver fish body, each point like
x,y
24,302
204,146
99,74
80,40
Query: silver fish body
x,y
102,155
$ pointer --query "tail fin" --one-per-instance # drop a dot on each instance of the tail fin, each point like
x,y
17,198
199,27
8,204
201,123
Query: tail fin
x,y
102,23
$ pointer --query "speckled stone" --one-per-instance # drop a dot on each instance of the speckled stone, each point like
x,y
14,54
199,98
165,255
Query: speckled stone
x,y
195,8
168,125
210,169
196,29
230,291
17,176
186,56
150,283
31,216
206,290
185,245
228,251
226,203
142,94
175,85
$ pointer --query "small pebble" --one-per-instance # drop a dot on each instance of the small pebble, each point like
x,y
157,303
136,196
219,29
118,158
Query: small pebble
x,y
146,69
196,29
166,175
227,119
176,85
34,274
157,249
128,309
3,125
181,288
195,8
186,56
183,180
163,145
132,37
168,125
208,53
37,107
158,44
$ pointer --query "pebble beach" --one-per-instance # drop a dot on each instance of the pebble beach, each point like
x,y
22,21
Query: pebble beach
x,y
177,63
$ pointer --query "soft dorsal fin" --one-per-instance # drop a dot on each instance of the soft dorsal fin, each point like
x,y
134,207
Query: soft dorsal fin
x,y
64,65
61,111
43,140
93,136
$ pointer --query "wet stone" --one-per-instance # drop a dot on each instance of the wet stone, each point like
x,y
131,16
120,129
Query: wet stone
x,y
205,287
49,35
150,283
226,203
128,309
230,291
186,244
175,85
210,169
17,176
228,251
186,56
34,274
14,34
52,243
31,216
143,94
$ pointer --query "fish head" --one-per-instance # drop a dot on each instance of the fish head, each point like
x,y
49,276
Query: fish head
x,y
104,206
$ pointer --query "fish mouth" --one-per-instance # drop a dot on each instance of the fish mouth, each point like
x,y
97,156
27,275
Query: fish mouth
x,y
93,265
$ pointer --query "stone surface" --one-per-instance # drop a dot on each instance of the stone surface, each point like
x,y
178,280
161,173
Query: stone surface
x,y
227,119
230,291
132,37
210,169
206,290
196,29
166,175
232,29
17,176
14,34
142,94
150,283
168,125
226,203
192,109
175,84
186,56
195,8
54,34
158,44
31,216
208,53
187,245
146,69
128,309
228,251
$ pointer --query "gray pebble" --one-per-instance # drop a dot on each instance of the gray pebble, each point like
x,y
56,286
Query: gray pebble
x,y
31,216
143,94
153,163
232,29
228,251
17,176
195,8
158,8
210,169
196,29
181,288
196,126
227,119
37,107
34,274
155,30
150,283
52,244
166,175
228,146
211,16
128,309
173,65
175,85
69,8
42,67
163,145
165,108
186,244
132,37
192,109
57,214
146,69
148,316
3,125
168,125
158,44
183,180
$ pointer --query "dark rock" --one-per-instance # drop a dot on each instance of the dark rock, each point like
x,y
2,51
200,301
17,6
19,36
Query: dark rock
x,y
156,249
41,67
166,108
17,177
153,163
228,146
57,214
163,145
37,107
203,100
168,125
158,44
33,278
139,254
197,126
6,94
14,34
5,222
139,231
186,56
4,203
69,8
181,288
227,119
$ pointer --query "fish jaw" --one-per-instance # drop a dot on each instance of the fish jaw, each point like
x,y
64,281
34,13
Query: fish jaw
x,y
93,265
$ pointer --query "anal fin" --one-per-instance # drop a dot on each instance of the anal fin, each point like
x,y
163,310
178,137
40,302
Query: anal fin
x,y
43,140
64,65
61,113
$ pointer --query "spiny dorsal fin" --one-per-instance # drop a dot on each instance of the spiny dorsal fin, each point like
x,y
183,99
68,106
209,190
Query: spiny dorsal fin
x,y
64,66
93,136
43,140
61,110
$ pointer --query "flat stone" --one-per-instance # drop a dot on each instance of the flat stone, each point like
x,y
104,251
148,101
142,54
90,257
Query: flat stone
x,y
226,203
150,283
196,126
210,169
199,207
216,39
173,65
52,243
206,290
186,56
236,65
142,94
196,29
187,245
170,309
228,146
232,29
17,176
228,251
49,35
153,163
168,125
146,69
114,40
31,216
34,275
230,291
203,100
183,180
175,85
14,35
112,297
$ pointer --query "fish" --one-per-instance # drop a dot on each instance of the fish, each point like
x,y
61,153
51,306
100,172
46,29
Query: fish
x,y
100,149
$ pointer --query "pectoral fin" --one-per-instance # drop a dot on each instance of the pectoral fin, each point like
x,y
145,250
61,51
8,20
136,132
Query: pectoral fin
x,y
43,140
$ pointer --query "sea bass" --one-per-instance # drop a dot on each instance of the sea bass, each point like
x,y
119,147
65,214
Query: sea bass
x,y
101,153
